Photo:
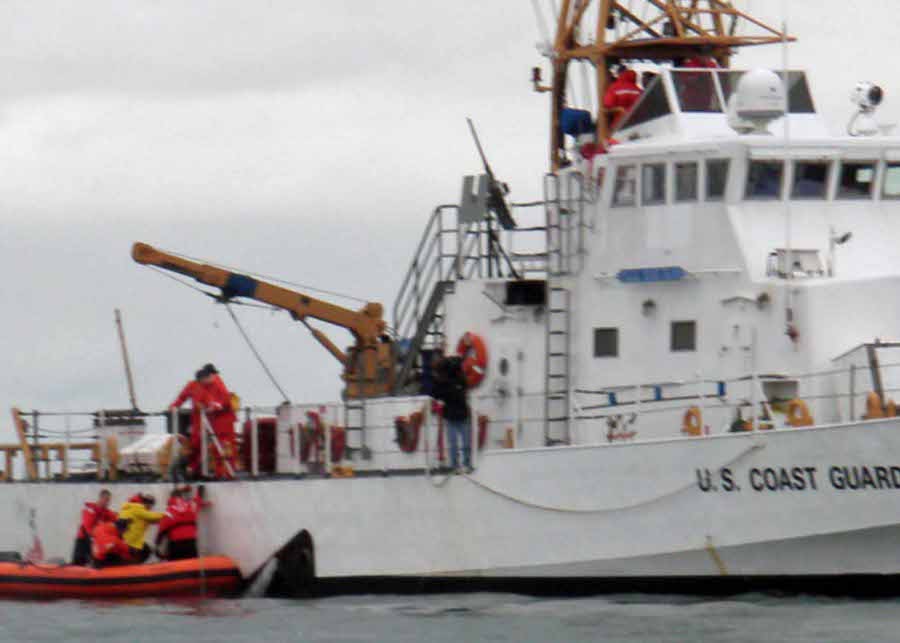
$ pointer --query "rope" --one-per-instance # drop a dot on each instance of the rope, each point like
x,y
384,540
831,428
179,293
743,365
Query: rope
x,y
256,352
543,507
333,293
183,283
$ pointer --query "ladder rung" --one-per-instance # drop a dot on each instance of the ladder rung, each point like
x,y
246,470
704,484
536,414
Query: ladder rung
x,y
559,419
558,332
557,354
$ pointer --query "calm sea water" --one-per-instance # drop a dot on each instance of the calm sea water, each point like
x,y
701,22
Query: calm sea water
x,y
457,618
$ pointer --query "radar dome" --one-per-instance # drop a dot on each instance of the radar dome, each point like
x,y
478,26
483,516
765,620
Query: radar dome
x,y
758,100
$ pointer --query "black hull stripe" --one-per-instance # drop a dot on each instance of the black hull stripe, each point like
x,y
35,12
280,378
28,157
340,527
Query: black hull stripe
x,y
843,585
107,582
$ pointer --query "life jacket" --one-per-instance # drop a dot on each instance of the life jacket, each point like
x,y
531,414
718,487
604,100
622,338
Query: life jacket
x,y
91,516
180,521
106,541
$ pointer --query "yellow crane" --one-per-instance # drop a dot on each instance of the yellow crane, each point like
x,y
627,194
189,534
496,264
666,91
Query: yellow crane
x,y
368,364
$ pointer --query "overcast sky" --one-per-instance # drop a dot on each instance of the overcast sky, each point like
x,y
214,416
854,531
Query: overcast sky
x,y
300,139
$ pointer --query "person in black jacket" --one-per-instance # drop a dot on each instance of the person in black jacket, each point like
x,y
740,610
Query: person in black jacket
x,y
450,388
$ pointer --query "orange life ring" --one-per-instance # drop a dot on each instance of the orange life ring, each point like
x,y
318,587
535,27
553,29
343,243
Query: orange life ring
x,y
473,350
692,424
798,413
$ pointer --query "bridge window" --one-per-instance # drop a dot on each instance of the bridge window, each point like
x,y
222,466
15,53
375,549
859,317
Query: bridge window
x,y
810,180
606,342
696,91
764,180
891,188
652,104
685,182
624,193
856,180
684,336
716,179
653,184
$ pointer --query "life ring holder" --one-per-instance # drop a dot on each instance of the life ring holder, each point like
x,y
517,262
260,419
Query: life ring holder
x,y
474,353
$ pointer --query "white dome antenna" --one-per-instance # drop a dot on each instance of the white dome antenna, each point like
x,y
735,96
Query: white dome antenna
x,y
758,100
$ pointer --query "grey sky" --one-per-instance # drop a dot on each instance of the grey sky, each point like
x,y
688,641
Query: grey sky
x,y
306,140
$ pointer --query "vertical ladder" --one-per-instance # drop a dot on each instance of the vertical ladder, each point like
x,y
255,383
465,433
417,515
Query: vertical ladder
x,y
558,324
355,425
557,367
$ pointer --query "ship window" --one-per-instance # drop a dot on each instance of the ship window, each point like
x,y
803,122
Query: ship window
x,y
810,180
799,99
856,180
624,193
652,104
764,180
653,184
716,179
892,181
685,181
696,91
684,336
606,342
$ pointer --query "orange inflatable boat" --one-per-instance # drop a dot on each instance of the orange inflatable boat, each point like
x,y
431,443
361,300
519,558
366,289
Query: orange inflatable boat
x,y
212,575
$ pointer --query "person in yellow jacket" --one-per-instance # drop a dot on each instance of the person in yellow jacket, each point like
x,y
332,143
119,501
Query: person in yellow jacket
x,y
137,511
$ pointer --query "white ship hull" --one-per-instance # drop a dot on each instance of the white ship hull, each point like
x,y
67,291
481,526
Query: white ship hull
x,y
634,511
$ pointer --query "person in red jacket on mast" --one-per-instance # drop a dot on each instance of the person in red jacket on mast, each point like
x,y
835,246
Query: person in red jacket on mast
x,y
93,514
222,417
198,394
621,95
176,537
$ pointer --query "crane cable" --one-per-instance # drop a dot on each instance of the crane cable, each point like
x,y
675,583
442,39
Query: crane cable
x,y
256,352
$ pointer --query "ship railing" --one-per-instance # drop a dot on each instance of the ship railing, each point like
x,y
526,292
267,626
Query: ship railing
x,y
759,401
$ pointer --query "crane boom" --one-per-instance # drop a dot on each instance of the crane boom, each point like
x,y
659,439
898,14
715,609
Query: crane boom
x,y
368,365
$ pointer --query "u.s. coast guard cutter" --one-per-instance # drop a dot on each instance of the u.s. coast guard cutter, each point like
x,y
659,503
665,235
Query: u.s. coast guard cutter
x,y
680,358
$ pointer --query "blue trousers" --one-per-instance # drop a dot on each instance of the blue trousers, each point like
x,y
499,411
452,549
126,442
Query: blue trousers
x,y
457,429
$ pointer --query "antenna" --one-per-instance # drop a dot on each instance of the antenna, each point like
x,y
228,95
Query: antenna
x,y
787,171
128,376
497,191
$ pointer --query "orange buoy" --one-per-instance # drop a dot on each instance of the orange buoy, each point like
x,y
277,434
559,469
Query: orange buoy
x,y
212,575
473,349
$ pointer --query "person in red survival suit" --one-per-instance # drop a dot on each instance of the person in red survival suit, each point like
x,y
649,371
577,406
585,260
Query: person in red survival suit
x,y
92,515
198,394
176,538
108,548
222,417
621,95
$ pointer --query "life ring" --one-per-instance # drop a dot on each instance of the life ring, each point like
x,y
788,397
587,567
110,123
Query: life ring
x,y
798,413
473,350
874,408
407,431
692,424
312,440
